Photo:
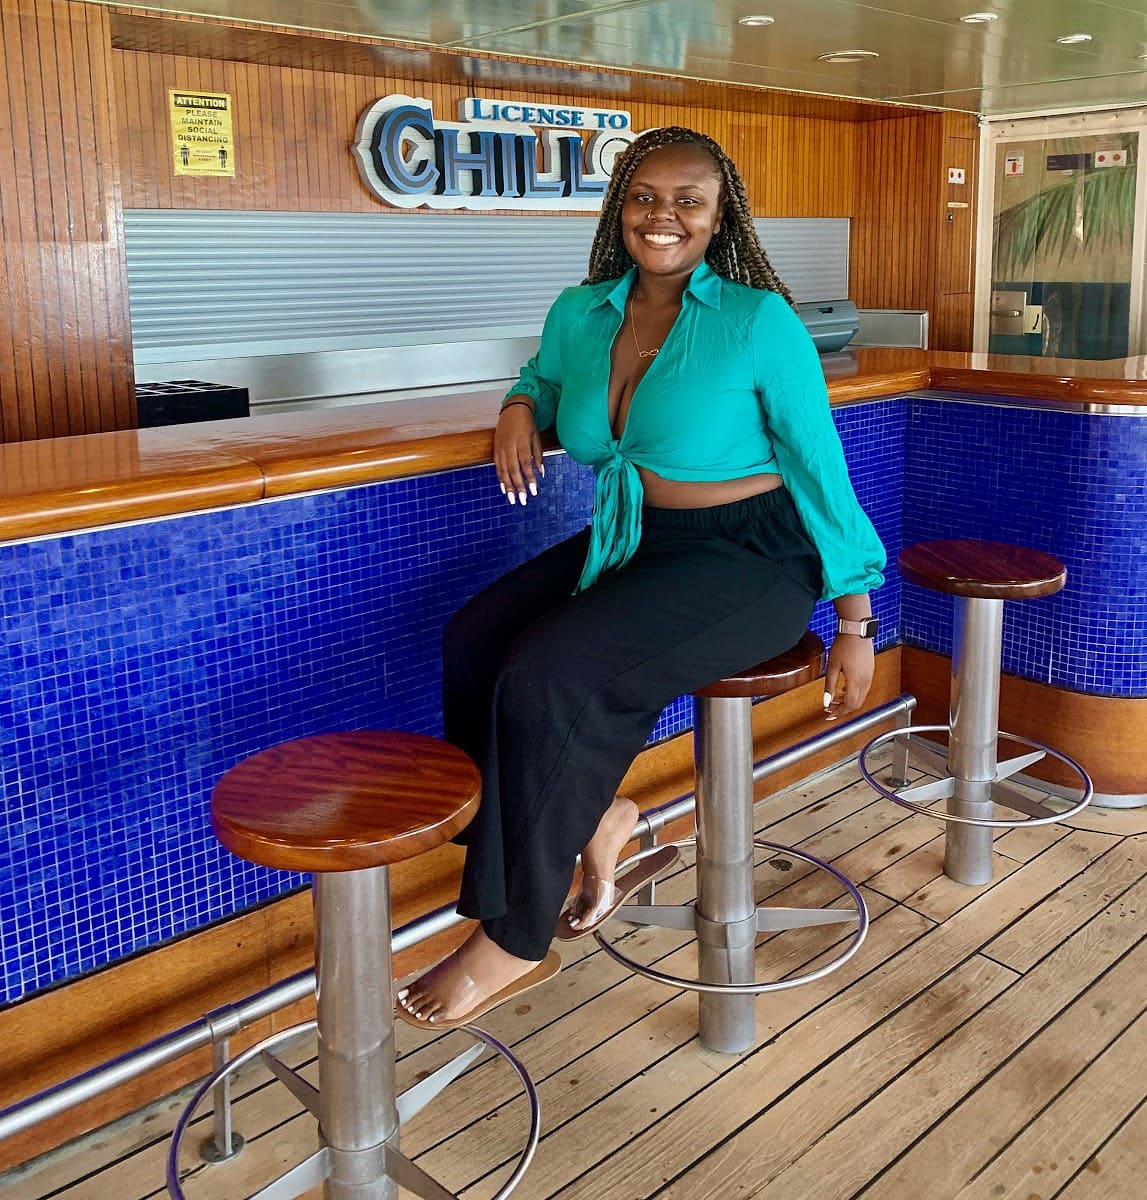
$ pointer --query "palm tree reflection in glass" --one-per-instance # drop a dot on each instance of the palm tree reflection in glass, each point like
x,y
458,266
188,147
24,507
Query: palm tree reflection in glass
x,y
1068,245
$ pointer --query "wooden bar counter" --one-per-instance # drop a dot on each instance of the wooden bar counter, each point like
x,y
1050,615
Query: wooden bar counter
x,y
61,484
173,600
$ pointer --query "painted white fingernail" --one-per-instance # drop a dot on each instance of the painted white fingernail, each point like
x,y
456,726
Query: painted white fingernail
x,y
502,486
522,497
533,489
512,497
404,993
827,699
542,469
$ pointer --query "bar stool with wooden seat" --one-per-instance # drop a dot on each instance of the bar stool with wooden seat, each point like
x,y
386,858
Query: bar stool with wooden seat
x,y
981,576
344,807
725,915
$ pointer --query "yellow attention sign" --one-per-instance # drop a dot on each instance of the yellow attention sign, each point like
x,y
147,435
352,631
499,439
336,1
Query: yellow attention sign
x,y
201,139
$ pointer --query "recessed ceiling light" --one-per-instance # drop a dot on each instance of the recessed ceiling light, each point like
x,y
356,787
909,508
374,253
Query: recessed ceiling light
x,y
754,20
1073,39
847,56
980,18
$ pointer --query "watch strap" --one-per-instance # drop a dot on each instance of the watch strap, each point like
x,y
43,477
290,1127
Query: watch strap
x,y
867,627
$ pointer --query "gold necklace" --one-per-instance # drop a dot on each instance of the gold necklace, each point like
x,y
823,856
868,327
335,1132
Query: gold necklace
x,y
633,329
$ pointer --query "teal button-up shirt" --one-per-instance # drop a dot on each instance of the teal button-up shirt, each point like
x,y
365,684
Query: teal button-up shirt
x,y
736,389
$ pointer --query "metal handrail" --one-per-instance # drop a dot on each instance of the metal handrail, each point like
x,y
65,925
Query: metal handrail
x,y
230,1018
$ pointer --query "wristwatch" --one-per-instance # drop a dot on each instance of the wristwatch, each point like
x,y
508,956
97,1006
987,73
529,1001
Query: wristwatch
x,y
867,627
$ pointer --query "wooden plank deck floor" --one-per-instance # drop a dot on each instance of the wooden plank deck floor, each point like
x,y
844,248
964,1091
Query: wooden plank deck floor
x,y
984,1043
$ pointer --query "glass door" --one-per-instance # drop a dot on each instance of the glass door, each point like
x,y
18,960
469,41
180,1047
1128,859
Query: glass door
x,y
1066,240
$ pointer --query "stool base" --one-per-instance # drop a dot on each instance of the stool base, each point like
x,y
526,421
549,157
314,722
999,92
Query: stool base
x,y
377,1172
356,1103
726,1033
974,710
968,843
725,917
972,779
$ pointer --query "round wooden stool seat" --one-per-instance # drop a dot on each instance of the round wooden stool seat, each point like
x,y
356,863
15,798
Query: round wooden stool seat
x,y
983,570
345,801
800,665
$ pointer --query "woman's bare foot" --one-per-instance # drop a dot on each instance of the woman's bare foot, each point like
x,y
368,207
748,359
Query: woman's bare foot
x,y
599,861
459,983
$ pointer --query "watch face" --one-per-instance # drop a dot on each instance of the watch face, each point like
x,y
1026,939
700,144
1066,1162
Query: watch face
x,y
871,627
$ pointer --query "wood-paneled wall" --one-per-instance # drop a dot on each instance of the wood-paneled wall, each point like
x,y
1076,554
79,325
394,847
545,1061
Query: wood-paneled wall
x,y
893,235
81,156
906,252
953,304
65,344
295,128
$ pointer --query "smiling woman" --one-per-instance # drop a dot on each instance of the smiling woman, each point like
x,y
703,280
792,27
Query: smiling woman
x,y
722,512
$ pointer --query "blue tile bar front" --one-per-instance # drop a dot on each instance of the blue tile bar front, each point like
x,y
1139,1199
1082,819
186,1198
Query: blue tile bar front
x,y
139,662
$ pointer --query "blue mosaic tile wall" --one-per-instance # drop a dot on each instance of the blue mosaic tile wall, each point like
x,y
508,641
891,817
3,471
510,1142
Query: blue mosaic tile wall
x,y
1063,482
139,663
873,436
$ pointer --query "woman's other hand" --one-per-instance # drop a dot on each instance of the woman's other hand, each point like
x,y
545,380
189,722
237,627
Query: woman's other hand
x,y
848,676
518,453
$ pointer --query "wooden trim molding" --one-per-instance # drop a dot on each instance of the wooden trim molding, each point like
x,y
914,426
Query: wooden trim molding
x,y
72,1028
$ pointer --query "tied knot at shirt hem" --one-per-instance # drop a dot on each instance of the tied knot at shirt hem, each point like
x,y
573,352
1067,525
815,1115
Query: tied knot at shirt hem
x,y
616,530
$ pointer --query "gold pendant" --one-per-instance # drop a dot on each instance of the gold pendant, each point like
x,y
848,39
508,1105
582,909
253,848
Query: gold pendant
x,y
647,353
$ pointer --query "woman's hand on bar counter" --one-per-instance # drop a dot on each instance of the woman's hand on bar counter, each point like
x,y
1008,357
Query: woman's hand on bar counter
x,y
518,450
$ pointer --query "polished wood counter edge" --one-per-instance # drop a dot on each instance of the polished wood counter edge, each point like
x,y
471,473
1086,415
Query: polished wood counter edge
x,y
1069,381
60,484
63,484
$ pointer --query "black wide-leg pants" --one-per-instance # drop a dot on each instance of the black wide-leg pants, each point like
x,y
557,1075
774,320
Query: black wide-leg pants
x,y
555,694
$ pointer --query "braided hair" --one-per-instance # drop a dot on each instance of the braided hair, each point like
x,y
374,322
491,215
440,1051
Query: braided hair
x,y
735,250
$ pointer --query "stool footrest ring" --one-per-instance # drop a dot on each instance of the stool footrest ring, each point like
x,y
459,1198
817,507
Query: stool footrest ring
x,y
919,798
311,1172
767,920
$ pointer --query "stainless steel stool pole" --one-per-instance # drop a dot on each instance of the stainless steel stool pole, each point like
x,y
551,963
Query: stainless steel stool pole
x,y
968,774
342,807
358,1114
977,643
356,1103
726,920
724,917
